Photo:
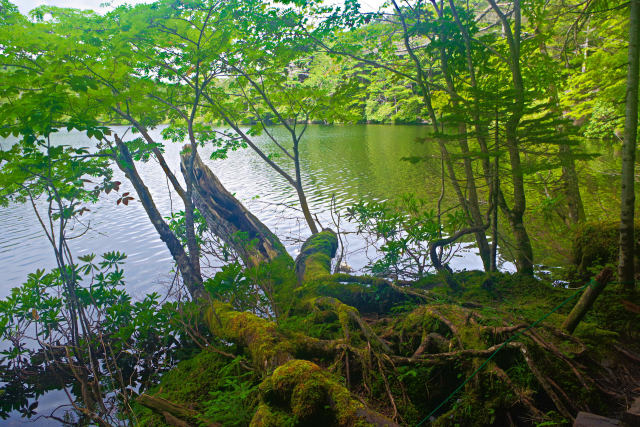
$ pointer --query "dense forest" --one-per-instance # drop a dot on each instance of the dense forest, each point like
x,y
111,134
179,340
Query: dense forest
x,y
515,97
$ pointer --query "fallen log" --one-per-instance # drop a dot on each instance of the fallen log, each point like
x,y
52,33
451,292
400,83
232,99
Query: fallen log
x,y
587,299
228,219
175,414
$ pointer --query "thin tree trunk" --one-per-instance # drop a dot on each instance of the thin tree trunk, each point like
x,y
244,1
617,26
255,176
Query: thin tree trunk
x,y
301,195
626,270
494,222
473,202
191,277
523,251
571,185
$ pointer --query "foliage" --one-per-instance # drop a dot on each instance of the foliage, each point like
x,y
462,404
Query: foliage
x,y
252,64
596,87
231,285
402,231
233,402
177,223
127,336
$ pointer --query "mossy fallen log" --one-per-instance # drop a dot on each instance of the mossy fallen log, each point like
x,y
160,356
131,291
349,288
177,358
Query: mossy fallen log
x,y
587,299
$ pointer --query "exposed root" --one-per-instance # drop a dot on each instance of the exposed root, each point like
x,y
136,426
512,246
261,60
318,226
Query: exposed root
x,y
543,380
522,396
175,414
346,313
556,352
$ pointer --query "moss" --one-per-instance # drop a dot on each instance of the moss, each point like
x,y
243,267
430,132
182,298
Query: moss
x,y
301,393
309,394
188,384
612,318
267,417
315,256
266,346
369,295
596,244
278,279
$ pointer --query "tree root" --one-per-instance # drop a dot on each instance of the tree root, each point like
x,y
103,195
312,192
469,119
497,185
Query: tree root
x,y
543,380
176,415
523,397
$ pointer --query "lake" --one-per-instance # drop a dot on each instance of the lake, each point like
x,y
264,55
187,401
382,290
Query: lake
x,y
350,163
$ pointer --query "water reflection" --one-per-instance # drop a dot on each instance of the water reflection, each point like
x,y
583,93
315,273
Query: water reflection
x,y
351,162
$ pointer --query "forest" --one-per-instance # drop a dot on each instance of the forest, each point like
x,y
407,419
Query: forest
x,y
478,267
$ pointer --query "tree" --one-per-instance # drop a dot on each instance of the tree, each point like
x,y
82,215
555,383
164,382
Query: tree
x,y
328,349
626,271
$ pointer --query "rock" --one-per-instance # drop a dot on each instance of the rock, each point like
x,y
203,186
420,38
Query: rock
x,y
632,416
585,419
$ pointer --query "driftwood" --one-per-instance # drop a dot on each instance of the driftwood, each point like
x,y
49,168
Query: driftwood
x,y
587,299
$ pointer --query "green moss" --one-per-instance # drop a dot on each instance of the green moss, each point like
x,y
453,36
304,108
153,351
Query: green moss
x,y
188,384
368,295
301,393
278,279
267,348
309,394
267,417
611,318
315,256
596,244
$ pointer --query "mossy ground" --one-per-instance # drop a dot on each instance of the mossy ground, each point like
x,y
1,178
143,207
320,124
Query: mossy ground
x,y
188,384
402,385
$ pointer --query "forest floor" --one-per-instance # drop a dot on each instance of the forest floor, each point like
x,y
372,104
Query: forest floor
x,y
401,352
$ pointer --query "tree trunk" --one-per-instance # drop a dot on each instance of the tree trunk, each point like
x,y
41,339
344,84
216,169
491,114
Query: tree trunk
x,y
494,218
305,209
524,252
191,277
300,190
228,219
626,270
571,185
586,300
473,203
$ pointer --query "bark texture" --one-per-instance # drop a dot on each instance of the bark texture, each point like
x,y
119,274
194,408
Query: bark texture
x,y
190,275
230,220
626,270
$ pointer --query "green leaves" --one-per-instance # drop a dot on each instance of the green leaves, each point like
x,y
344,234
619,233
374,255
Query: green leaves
x,y
401,233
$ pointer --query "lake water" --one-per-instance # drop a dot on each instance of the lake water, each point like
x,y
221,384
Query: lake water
x,y
352,163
